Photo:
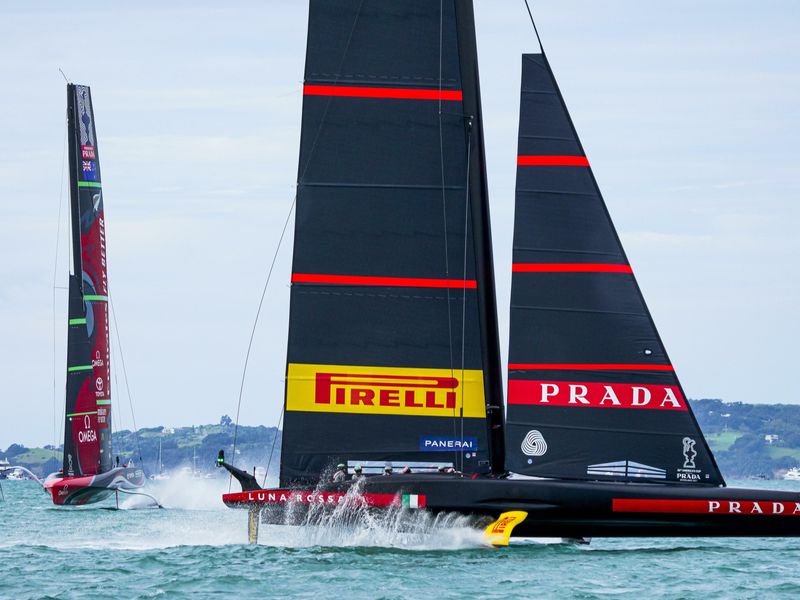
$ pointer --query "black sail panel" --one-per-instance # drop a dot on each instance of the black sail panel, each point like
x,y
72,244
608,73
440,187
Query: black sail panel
x,y
384,354
592,394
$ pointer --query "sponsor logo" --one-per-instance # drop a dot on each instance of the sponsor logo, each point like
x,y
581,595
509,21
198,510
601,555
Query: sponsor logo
x,y
97,361
501,524
715,507
385,390
96,200
448,444
87,152
89,434
627,469
533,444
89,168
689,453
595,395
689,473
98,384
70,468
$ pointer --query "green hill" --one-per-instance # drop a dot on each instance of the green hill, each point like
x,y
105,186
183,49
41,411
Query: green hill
x,y
193,447
748,440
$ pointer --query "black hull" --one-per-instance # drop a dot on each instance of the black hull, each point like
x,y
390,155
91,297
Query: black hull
x,y
580,509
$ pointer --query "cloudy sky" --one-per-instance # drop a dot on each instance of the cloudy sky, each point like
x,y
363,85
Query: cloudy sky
x,y
689,112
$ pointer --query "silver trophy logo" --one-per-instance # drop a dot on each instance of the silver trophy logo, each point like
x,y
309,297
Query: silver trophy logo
x,y
689,453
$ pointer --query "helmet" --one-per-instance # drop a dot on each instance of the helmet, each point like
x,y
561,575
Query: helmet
x,y
340,466
387,469
358,469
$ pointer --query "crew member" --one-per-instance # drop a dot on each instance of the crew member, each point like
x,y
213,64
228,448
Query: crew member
x,y
406,470
387,470
357,474
340,474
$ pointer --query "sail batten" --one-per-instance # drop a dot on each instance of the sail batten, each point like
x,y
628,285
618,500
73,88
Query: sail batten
x,y
589,380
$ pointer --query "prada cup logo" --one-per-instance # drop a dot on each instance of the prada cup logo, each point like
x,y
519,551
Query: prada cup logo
x,y
385,390
534,444
689,453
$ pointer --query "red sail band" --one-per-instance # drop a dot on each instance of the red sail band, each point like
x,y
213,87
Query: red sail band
x,y
586,367
552,161
354,91
569,268
469,284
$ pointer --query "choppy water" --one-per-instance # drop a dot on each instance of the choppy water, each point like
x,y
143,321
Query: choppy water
x,y
195,549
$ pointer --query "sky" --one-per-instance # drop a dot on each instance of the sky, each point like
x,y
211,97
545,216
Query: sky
x,y
689,113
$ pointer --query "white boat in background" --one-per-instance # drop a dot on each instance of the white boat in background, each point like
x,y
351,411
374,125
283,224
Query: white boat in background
x,y
792,474
16,475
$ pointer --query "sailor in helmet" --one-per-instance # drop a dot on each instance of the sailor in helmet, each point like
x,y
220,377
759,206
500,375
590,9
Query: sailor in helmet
x,y
340,474
357,474
387,470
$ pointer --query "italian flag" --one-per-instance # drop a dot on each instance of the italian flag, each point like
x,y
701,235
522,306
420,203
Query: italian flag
x,y
413,501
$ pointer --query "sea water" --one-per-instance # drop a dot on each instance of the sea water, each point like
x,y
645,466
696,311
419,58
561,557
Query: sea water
x,y
196,548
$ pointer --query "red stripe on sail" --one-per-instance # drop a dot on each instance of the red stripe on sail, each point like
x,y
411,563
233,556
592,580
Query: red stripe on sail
x,y
586,367
569,268
354,91
552,161
384,281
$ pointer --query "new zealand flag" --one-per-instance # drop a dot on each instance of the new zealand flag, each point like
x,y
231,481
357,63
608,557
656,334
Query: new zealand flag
x,y
89,170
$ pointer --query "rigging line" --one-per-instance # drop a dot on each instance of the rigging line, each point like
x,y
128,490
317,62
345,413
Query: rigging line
x,y
444,216
272,450
125,376
55,277
464,289
535,30
330,98
253,330
299,180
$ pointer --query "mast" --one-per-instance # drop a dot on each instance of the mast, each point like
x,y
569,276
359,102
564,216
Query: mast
x,y
484,261
74,193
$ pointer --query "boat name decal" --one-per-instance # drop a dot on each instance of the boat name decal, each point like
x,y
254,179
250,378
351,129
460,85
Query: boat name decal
x,y
595,395
385,390
333,498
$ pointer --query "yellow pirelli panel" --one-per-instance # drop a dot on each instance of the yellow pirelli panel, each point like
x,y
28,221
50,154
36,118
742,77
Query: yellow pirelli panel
x,y
385,391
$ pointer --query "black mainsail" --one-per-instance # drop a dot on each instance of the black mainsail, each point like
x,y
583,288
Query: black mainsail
x,y
391,284
591,392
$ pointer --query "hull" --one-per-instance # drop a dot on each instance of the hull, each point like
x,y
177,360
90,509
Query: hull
x,y
77,491
557,508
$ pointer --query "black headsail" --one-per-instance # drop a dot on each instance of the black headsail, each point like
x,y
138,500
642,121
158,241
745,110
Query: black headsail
x,y
591,393
388,334
87,428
